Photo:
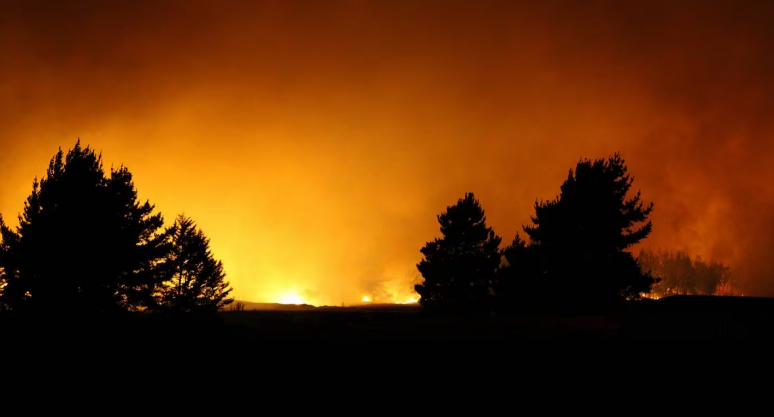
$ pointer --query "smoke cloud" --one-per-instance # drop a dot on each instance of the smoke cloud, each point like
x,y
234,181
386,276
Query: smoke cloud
x,y
315,142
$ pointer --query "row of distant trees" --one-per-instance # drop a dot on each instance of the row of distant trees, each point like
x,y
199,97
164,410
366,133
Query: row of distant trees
x,y
85,243
682,274
576,255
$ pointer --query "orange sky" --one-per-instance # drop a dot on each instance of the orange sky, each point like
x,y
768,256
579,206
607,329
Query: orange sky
x,y
316,141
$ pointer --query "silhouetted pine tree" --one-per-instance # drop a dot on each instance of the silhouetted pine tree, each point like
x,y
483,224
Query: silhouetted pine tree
x,y
84,242
195,281
6,271
9,272
459,268
582,235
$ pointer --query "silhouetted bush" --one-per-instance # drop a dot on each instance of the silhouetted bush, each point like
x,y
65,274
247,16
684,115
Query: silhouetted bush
x,y
519,282
459,268
237,306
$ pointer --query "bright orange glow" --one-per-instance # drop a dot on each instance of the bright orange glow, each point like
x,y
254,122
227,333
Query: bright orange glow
x,y
366,299
411,301
316,142
291,298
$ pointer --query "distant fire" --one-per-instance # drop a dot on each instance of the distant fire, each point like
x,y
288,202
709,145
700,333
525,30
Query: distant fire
x,y
367,299
291,298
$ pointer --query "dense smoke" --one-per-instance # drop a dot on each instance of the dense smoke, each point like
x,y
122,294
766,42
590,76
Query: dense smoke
x,y
315,142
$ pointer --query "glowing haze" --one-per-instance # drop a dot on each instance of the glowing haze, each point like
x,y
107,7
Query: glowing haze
x,y
315,142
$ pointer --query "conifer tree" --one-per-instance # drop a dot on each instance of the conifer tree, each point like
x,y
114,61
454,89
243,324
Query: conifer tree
x,y
84,242
583,234
194,280
459,268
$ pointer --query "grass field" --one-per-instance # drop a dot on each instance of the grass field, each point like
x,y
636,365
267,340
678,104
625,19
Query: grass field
x,y
673,318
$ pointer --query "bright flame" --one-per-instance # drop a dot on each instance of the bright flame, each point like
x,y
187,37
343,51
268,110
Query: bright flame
x,y
410,301
291,298
366,299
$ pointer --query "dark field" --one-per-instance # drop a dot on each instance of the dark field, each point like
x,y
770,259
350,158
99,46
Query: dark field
x,y
673,318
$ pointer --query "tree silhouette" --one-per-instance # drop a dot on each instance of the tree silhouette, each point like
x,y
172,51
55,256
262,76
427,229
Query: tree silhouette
x,y
582,235
195,281
519,282
8,271
681,274
84,242
459,268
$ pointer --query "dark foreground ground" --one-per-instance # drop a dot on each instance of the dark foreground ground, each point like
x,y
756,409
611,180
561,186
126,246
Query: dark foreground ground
x,y
674,318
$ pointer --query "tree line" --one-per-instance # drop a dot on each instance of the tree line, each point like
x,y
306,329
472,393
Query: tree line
x,y
85,243
576,255
682,274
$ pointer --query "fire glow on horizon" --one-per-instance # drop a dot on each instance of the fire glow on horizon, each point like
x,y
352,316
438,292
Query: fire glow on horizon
x,y
290,298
